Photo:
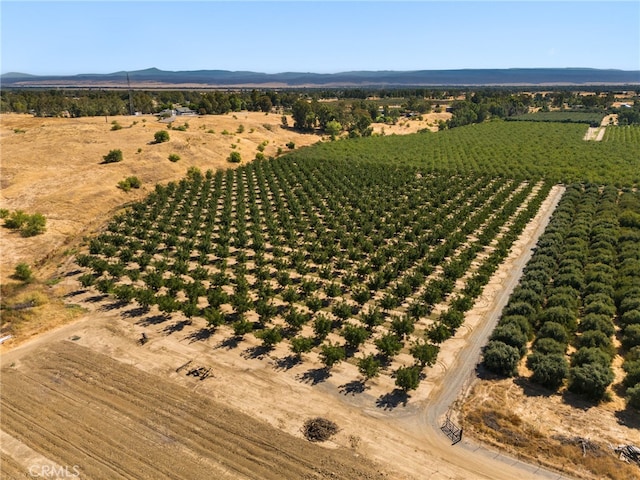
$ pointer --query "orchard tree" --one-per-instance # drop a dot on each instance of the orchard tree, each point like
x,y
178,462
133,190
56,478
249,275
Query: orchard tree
x,y
424,353
501,358
591,380
408,378
300,345
369,366
548,370
332,354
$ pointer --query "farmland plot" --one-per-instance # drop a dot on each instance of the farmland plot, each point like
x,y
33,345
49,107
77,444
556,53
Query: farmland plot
x,y
101,418
371,264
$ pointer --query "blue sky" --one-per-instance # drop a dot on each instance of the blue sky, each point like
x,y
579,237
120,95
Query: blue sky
x,y
61,38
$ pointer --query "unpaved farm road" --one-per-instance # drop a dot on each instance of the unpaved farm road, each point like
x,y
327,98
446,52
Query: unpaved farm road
x,y
485,463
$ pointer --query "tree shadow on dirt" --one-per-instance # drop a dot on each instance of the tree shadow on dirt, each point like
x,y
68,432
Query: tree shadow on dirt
x,y
391,400
116,305
315,376
352,388
96,298
531,389
151,320
176,327
578,401
140,311
230,343
75,293
200,334
628,417
258,351
286,363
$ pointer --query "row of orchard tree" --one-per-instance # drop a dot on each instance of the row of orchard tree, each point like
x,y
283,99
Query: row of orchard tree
x,y
328,258
580,290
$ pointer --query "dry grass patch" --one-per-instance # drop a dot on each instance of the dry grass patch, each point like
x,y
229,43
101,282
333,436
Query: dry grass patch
x,y
499,413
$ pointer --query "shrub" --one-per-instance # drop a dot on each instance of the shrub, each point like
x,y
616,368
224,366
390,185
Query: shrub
x,y
115,125
501,358
161,136
291,145
23,272
174,157
34,225
129,183
234,157
113,156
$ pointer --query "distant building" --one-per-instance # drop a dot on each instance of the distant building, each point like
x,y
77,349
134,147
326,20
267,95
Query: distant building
x,y
184,111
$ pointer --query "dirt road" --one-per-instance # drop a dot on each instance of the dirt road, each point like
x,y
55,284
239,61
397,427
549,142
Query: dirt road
x,y
461,374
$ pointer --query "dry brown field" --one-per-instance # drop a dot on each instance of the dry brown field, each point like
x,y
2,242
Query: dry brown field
x,y
79,390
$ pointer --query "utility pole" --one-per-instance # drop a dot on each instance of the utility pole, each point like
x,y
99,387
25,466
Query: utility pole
x,y
131,111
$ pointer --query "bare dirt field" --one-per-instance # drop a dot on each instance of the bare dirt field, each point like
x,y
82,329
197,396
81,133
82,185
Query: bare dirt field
x,y
112,420
81,394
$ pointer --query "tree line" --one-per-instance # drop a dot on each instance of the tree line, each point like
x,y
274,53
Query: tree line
x,y
351,108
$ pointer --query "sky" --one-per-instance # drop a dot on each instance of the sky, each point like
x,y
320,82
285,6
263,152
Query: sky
x,y
100,36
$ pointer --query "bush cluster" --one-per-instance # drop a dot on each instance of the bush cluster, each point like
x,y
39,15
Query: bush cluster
x,y
28,225
129,183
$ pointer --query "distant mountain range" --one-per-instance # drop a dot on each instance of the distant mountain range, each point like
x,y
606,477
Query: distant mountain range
x,y
153,77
